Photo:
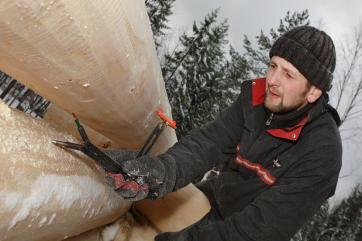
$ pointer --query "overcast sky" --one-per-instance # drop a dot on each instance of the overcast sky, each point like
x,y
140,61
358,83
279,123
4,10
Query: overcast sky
x,y
336,17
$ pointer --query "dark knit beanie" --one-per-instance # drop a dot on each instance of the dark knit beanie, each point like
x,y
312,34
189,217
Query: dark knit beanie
x,y
311,51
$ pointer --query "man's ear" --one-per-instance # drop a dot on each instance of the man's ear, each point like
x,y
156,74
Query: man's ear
x,y
313,94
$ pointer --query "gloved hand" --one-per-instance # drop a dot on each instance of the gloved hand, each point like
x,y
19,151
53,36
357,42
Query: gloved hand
x,y
119,156
145,177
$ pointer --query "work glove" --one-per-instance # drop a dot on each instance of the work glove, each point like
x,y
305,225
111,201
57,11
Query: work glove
x,y
133,178
148,176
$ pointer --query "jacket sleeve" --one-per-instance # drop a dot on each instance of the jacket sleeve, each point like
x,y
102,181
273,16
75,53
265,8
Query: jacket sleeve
x,y
203,148
278,213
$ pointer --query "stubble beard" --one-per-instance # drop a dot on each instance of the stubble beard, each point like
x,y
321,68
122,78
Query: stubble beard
x,y
275,108
279,107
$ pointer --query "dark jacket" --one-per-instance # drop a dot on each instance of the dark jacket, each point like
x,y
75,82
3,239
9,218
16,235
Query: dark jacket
x,y
274,178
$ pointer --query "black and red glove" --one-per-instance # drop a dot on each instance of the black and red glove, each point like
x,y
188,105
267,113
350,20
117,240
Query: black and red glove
x,y
148,176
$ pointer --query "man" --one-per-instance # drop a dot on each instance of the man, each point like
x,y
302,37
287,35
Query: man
x,y
279,142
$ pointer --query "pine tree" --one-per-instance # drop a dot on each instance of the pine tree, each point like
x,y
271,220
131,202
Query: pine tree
x,y
258,59
314,228
158,12
236,70
343,223
194,73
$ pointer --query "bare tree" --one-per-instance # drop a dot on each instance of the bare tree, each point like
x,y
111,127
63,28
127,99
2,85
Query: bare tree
x,y
346,94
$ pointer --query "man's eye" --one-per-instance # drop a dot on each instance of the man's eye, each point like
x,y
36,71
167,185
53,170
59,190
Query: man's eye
x,y
289,75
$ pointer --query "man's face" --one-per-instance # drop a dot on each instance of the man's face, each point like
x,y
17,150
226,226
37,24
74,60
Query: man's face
x,y
286,88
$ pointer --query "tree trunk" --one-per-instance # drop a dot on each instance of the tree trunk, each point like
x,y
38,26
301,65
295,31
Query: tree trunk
x,y
94,58
48,193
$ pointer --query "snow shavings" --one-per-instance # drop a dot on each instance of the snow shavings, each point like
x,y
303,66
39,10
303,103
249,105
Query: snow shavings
x,y
5,111
66,190
86,85
42,221
88,100
11,200
51,219
109,233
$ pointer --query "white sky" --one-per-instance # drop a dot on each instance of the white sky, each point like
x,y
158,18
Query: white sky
x,y
336,17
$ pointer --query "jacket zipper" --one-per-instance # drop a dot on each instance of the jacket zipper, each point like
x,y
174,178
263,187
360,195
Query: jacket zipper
x,y
269,120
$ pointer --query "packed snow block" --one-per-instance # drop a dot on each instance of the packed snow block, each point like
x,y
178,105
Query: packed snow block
x,y
46,192
95,58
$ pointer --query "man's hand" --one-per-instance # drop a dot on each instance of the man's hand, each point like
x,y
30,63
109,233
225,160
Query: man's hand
x,y
133,178
144,177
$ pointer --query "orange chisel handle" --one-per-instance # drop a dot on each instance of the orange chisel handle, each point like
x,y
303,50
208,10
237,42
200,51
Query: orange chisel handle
x,y
167,120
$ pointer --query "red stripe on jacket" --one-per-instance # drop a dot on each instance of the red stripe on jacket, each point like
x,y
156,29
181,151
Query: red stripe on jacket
x,y
264,174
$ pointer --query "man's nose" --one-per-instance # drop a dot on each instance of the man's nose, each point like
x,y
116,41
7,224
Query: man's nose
x,y
274,77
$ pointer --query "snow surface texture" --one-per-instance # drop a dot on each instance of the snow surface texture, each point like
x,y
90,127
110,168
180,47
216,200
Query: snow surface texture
x,y
11,200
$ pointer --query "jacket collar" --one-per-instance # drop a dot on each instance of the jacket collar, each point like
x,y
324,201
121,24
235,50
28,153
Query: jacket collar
x,y
289,126
289,133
